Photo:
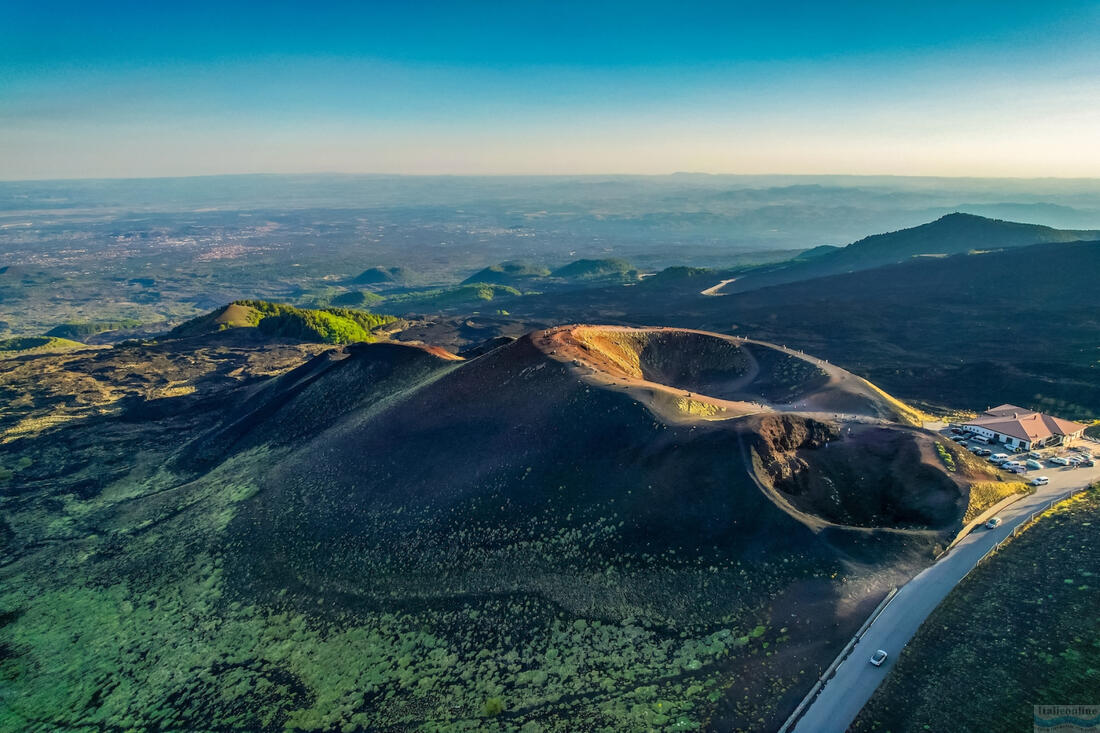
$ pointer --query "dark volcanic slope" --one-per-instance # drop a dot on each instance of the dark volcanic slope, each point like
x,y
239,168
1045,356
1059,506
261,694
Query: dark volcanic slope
x,y
966,331
511,477
387,538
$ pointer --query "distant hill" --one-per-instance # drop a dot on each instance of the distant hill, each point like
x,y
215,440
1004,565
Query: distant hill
x,y
382,275
82,330
472,294
356,299
951,234
325,325
524,274
678,275
597,270
36,344
512,272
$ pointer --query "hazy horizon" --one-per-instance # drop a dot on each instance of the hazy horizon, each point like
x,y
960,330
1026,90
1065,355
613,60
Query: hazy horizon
x,y
762,177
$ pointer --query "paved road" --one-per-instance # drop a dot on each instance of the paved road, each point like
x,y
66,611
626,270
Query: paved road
x,y
714,289
856,680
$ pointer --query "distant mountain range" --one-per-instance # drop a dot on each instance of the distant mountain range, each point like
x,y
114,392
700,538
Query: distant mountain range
x,y
948,235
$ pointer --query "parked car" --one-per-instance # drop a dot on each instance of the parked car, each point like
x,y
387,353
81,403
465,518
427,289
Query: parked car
x,y
1033,464
993,523
1035,455
998,457
1040,481
959,438
1059,461
1088,463
878,658
1014,469
986,452
976,450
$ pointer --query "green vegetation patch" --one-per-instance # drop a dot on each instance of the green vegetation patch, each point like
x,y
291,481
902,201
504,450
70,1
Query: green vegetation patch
x,y
1018,631
20,344
323,325
946,457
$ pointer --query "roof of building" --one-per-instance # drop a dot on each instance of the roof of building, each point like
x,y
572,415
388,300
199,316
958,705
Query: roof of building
x,y
1024,424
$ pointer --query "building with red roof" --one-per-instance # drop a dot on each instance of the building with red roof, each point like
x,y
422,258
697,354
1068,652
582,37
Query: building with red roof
x,y
1017,427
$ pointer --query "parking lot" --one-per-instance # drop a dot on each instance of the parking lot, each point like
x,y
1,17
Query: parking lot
x,y
1080,454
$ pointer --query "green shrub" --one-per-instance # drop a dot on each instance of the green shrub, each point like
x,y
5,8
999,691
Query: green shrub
x,y
327,325
946,457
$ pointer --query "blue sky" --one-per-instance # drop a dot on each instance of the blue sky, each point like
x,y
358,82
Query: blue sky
x,y
141,89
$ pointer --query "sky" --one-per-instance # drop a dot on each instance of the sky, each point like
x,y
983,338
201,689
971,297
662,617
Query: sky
x,y
137,89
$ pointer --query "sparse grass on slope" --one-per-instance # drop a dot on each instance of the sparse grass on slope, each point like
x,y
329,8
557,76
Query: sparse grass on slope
x,y
906,413
985,494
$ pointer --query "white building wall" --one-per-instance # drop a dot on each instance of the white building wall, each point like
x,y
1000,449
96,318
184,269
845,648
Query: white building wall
x,y
999,437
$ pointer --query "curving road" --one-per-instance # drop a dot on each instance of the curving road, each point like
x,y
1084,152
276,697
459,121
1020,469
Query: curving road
x,y
856,680
716,289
